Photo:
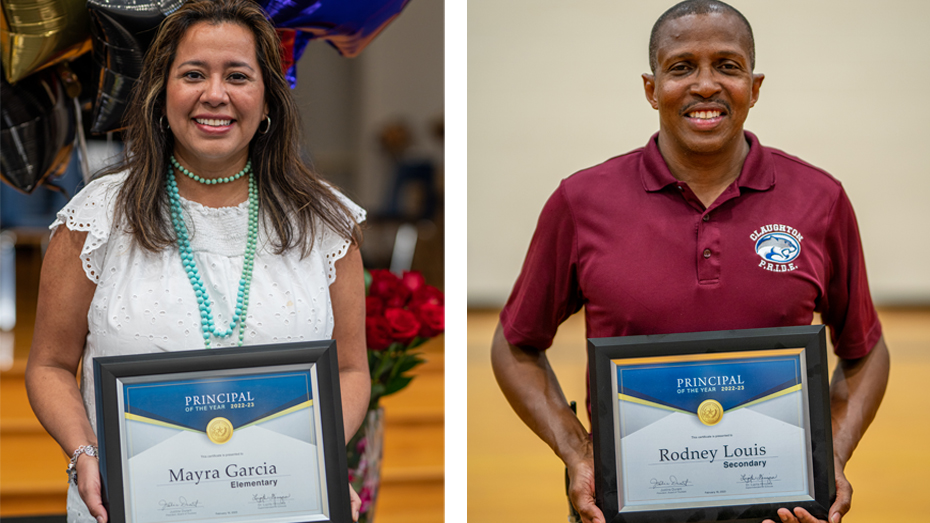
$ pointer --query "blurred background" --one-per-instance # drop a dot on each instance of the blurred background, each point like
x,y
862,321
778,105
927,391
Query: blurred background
x,y
373,124
555,87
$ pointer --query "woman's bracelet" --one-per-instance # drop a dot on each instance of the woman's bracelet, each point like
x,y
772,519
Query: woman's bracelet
x,y
90,450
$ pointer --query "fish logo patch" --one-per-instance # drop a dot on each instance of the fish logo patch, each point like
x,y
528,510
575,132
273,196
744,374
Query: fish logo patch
x,y
778,245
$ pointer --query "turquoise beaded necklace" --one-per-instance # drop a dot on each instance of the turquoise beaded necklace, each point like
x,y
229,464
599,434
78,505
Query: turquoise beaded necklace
x,y
212,181
187,258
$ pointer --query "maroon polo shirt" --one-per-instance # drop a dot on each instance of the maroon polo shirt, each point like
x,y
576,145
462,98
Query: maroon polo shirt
x,y
639,251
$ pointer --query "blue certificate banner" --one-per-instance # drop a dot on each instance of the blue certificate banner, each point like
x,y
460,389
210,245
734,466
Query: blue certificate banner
x,y
684,386
193,404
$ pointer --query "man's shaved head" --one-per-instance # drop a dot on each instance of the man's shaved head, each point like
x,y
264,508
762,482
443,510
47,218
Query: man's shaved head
x,y
697,7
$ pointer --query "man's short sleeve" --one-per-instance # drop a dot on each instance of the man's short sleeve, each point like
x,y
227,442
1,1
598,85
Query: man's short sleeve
x,y
847,305
546,292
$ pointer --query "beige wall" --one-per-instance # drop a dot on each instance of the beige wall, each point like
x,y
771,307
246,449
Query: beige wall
x,y
554,87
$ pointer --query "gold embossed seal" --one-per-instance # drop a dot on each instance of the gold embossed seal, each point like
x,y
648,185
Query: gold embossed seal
x,y
219,430
710,412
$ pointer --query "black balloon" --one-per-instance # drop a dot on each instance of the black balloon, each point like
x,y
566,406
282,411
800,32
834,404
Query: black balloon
x,y
37,127
122,31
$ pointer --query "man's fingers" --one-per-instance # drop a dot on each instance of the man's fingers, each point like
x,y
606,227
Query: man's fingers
x,y
786,516
843,501
581,493
582,497
586,508
805,516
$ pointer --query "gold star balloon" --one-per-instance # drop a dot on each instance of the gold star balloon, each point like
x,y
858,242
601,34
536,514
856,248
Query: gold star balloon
x,y
35,34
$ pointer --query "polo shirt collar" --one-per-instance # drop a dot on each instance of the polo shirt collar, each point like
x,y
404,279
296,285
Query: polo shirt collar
x,y
758,170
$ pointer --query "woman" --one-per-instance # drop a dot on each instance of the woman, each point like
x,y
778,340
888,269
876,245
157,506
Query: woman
x,y
212,176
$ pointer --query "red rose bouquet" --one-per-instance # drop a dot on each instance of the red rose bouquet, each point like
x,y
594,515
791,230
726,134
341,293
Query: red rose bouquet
x,y
400,314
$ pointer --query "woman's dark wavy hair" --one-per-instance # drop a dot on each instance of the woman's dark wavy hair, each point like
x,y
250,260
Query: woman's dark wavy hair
x,y
294,201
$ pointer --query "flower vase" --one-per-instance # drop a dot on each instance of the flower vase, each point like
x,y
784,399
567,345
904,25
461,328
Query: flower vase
x,y
364,453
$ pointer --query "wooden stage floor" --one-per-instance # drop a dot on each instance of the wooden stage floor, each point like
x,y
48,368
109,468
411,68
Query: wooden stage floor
x,y
513,476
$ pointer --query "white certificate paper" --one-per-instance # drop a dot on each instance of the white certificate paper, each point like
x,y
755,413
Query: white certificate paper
x,y
264,462
753,446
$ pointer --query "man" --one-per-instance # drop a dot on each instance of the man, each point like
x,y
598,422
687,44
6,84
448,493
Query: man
x,y
666,239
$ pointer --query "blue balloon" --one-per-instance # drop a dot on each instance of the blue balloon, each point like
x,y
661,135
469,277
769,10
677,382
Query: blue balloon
x,y
348,25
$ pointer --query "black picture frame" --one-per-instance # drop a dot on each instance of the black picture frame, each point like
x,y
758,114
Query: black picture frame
x,y
601,352
321,356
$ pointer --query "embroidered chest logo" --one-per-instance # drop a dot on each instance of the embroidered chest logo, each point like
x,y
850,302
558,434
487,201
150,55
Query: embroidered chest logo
x,y
778,245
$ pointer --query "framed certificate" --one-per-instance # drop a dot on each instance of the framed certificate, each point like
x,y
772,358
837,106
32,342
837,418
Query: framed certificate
x,y
240,434
711,426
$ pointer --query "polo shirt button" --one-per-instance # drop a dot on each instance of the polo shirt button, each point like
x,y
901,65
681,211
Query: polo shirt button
x,y
707,253
680,188
706,217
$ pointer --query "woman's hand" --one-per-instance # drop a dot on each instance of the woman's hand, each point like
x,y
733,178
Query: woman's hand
x,y
88,478
353,496
65,294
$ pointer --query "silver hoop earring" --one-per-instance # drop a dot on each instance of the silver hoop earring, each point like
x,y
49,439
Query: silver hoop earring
x,y
267,127
161,122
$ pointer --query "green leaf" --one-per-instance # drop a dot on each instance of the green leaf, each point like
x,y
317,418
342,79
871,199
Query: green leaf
x,y
397,368
396,348
397,384
382,368
409,362
417,342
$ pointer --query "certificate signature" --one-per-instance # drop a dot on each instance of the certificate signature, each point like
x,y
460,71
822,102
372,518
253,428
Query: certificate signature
x,y
181,503
671,482
270,500
751,481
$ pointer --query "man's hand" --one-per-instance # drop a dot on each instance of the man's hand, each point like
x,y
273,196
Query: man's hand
x,y
837,511
530,385
581,489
